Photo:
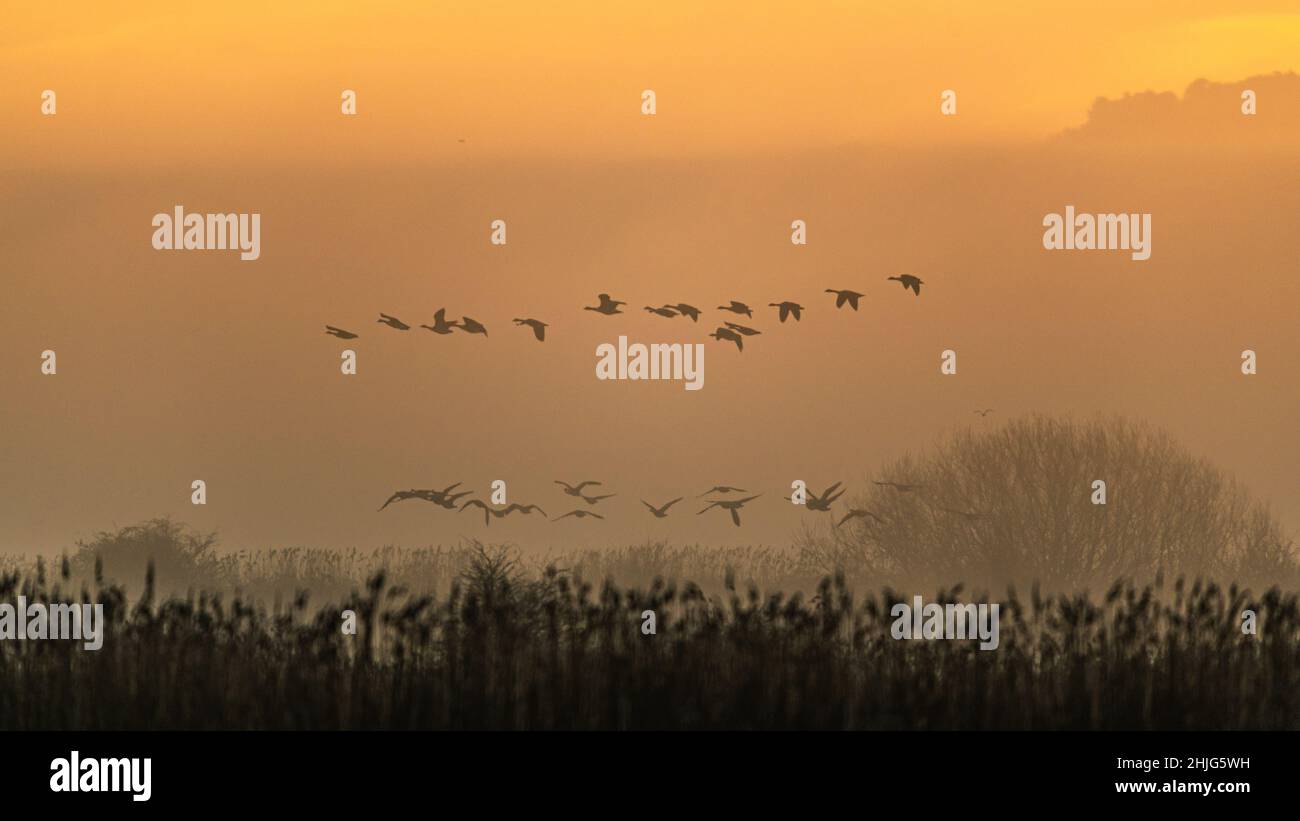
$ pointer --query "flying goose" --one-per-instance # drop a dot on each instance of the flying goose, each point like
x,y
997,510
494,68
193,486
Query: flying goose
x,y
843,298
471,326
722,489
787,309
339,332
539,328
664,312
742,329
686,310
581,514
393,322
910,281
575,490
823,501
737,308
607,306
661,512
858,513
725,335
732,507
440,324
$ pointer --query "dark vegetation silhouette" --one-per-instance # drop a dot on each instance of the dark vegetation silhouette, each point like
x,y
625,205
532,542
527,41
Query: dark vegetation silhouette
x,y
476,636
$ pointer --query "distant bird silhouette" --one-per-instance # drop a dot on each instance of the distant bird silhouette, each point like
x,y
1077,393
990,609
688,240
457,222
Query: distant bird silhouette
x,y
581,514
725,335
471,326
722,489
339,332
858,513
401,496
440,324
733,507
741,329
393,322
661,512
607,306
448,500
488,512
665,312
845,297
737,308
575,490
787,309
591,500
539,328
909,281
686,310
823,501
984,412
524,509
901,487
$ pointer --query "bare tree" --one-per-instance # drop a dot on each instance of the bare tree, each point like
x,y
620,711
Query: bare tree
x,y
1015,505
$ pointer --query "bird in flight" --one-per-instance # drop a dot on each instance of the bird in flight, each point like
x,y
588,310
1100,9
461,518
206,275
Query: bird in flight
x,y
661,512
575,490
823,501
664,312
402,496
858,513
686,310
393,322
723,489
581,514
440,324
741,329
901,487
737,308
787,309
591,500
984,412
539,328
488,512
339,332
910,281
524,509
725,335
471,326
733,507
843,298
607,306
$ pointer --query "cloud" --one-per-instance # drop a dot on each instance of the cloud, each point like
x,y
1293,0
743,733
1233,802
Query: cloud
x,y
1207,112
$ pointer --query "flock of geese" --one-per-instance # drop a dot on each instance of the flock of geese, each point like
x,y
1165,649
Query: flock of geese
x,y
819,502
733,332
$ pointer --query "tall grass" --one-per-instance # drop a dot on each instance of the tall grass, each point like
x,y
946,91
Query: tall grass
x,y
511,650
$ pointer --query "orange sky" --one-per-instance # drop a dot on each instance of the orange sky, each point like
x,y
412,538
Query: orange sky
x,y
174,82
176,366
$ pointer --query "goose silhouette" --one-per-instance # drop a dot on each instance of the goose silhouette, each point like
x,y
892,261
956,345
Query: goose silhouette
x,y
575,490
822,502
393,322
741,329
732,507
591,500
984,412
686,310
440,324
843,298
664,312
581,514
339,332
722,489
607,306
859,513
737,308
539,328
909,281
471,326
787,309
662,511
726,335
